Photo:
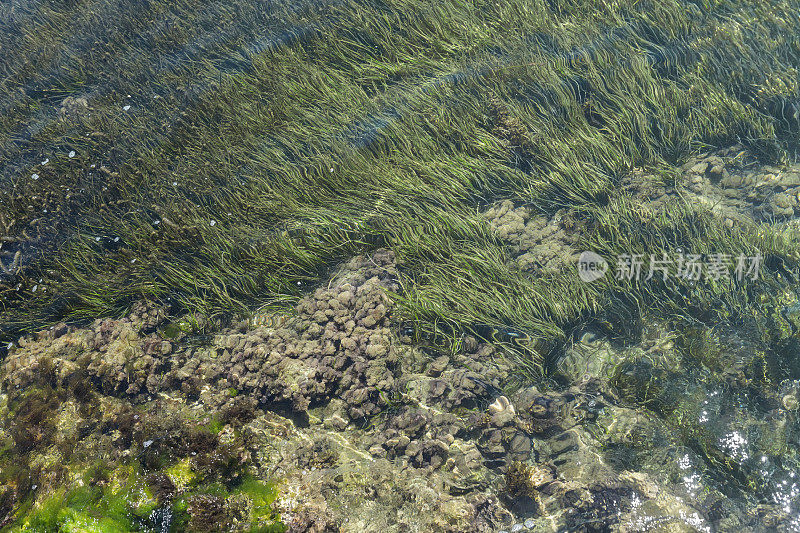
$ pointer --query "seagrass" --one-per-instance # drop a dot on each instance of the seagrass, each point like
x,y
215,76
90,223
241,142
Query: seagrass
x,y
267,141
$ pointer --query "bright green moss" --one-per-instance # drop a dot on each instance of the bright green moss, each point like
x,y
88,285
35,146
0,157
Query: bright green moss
x,y
253,495
181,474
261,495
123,504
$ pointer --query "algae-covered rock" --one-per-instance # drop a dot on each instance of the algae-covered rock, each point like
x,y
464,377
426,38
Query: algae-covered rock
x,y
539,243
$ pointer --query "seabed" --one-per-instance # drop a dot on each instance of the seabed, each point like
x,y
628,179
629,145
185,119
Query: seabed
x,y
399,266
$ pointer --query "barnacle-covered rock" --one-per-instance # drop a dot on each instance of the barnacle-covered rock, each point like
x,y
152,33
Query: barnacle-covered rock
x,y
731,182
539,243
73,107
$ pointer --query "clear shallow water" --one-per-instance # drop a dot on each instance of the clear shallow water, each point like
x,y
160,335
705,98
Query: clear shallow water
x,y
217,157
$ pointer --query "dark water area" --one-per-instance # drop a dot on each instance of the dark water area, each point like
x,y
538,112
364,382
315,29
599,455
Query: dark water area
x,y
360,229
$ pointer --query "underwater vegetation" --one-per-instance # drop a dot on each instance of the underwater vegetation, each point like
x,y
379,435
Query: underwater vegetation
x,y
125,503
218,157
223,159
183,474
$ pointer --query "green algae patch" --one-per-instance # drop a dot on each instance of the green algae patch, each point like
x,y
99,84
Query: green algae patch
x,y
56,514
214,426
123,504
181,474
246,507
261,497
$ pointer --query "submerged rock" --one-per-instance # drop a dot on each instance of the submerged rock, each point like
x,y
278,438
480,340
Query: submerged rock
x,y
327,422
